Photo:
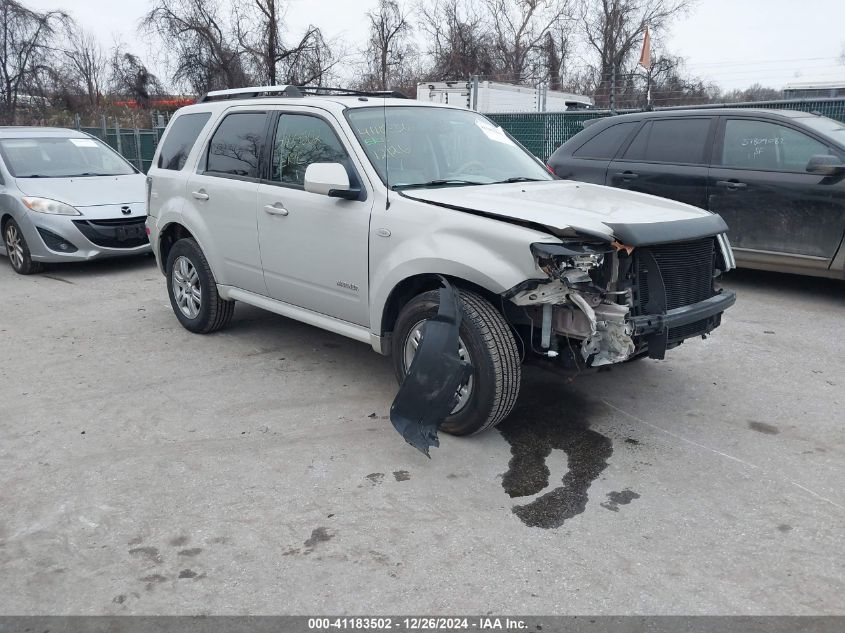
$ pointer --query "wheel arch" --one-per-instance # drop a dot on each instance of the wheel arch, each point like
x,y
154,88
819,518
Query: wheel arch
x,y
168,236
414,285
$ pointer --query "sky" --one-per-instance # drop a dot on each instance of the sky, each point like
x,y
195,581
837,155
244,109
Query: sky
x,y
733,43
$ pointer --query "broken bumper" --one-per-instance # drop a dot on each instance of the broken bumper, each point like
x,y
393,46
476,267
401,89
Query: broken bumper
x,y
649,324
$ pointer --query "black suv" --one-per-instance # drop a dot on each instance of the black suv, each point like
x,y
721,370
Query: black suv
x,y
776,177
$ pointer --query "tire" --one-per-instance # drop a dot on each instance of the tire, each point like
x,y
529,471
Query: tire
x,y
202,311
492,350
17,250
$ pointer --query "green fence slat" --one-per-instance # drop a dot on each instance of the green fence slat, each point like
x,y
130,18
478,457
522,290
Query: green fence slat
x,y
543,132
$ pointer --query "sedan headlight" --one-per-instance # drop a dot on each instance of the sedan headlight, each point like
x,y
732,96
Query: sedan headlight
x,y
51,207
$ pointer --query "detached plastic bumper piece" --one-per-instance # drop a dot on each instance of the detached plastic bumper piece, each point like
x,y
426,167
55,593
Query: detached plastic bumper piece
x,y
429,392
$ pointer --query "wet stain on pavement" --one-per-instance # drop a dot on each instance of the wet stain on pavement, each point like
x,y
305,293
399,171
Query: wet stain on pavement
x,y
179,541
616,499
190,552
150,553
784,527
762,427
375,478
401,475
547,417
318,535
187,573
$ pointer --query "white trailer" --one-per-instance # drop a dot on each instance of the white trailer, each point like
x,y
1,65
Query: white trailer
x,y
490,97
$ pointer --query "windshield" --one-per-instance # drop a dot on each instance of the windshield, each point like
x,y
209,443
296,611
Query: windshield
x,y
61,158
427,146
828,127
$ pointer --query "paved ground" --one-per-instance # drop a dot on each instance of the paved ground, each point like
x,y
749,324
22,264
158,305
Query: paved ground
x,y
144,469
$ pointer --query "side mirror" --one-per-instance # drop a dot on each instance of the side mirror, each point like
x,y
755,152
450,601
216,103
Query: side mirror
x,y
329,179
825,165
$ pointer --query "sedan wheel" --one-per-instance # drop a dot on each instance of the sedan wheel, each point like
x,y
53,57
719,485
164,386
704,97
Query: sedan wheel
x,y
18,250
14,245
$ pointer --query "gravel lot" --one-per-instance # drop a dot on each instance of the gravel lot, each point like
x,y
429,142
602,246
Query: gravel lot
x,y
144,469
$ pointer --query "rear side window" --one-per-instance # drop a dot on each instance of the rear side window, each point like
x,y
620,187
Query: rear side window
x,y
606,143
180,139
678,141
235,148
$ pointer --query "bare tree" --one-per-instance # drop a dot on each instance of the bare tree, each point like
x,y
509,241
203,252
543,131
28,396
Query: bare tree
x,y
130,78
200,43
259,25
25,51
614,29
460,39
520,29
84,66
389,46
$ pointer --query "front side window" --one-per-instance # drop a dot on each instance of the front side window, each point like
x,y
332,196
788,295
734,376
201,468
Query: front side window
x,y
427,146
674,141
606,143
235,148
61,158
180,138
751,144
301,140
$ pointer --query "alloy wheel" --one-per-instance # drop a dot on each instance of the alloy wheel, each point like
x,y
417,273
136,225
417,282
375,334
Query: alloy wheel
x,y
412,342
187,290
14,246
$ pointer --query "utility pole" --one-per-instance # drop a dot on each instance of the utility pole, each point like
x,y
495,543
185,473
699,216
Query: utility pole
x,y
613,89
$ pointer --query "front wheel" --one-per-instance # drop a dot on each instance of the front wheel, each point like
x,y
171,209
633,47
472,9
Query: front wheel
x,y
193,290
18,250
485,341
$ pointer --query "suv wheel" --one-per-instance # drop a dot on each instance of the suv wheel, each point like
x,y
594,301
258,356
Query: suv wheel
x,y
485,341
18,250
193,290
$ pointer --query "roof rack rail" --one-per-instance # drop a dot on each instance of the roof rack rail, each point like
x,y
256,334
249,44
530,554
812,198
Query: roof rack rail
x,y
327,90
252,91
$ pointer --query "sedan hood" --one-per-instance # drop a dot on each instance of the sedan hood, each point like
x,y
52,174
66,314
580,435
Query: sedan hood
x,y
87,191
565,206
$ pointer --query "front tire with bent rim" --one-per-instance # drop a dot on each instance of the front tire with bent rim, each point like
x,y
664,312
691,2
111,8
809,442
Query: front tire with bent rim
x,y
486,342
193,290
18,250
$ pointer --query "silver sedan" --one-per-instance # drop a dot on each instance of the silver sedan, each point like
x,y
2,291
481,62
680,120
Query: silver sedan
x,y
67,196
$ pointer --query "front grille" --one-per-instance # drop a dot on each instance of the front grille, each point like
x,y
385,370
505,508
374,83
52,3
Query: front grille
x,y
691,329
686,269
118,233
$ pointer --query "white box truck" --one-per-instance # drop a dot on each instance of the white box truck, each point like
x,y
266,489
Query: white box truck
x,y
490,97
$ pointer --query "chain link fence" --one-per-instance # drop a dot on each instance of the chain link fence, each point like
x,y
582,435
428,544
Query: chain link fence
x,y
543,132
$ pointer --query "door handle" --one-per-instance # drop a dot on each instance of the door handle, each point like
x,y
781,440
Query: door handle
x,y
275,209
731,185
626,175
200,195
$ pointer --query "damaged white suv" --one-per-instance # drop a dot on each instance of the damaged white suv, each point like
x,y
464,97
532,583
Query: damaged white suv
x,y
409,226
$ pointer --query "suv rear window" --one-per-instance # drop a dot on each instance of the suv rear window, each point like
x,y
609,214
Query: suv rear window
x,y
180,139
235,148
678,141
606,143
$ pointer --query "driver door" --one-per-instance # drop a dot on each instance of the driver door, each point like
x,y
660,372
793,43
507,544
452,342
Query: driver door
x,y
314,249
758,183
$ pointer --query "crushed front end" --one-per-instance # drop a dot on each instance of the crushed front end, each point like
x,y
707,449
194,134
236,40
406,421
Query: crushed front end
x,y
606,302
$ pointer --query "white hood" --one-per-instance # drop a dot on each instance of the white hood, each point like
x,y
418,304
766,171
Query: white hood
x,y
562,204
87,191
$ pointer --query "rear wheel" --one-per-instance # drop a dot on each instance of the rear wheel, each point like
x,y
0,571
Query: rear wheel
x,y
485,341
18,250
193,290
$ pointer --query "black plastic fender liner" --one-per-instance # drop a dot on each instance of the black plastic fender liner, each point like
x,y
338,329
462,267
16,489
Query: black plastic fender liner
x,y
429,391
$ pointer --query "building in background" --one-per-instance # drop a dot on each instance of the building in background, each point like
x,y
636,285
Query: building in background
x,y
490,97
814,90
